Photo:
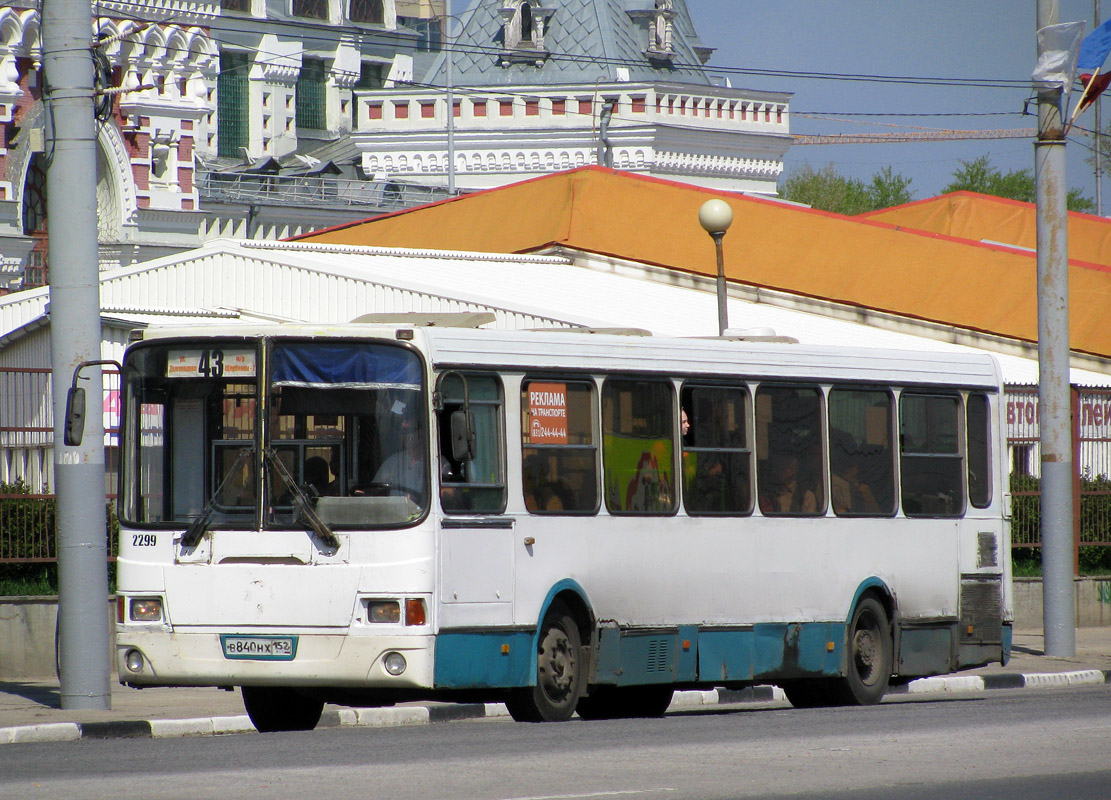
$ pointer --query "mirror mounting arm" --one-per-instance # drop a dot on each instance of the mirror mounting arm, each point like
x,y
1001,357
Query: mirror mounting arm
x,y
75,403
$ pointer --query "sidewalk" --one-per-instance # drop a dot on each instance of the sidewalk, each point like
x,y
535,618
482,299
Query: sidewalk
x,y
30,711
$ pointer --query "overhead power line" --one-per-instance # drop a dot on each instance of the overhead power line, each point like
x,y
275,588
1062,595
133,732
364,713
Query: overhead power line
x,y
930,136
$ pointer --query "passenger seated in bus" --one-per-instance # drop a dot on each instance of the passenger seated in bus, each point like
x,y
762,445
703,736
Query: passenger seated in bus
x,y
550,496
541,492
781,493
317,475
849,494
314,481
335,487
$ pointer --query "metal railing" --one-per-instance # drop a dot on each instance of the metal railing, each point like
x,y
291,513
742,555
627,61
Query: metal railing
x,y
238,187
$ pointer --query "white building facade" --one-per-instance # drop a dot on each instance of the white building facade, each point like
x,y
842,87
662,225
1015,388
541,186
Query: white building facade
x,y
207,109
537,87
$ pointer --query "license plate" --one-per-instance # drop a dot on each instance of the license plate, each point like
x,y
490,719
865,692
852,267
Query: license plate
x,y
259,648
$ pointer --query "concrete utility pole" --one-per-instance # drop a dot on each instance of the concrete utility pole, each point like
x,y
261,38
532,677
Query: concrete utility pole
x,y
75,336
1054,401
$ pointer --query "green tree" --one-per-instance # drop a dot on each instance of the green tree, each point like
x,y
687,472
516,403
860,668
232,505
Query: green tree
x,y
828,190
888,189
978,175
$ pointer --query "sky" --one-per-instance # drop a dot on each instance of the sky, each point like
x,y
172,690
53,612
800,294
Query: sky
x,y
984,40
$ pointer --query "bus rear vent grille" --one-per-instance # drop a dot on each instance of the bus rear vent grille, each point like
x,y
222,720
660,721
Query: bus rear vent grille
x,y
981,609
659,655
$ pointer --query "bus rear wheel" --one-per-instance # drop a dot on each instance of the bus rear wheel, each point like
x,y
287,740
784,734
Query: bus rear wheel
x,y
625,702
274,709
869,668
559,672
870,655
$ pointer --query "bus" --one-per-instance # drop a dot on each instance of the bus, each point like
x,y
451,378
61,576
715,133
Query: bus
x,y
561,520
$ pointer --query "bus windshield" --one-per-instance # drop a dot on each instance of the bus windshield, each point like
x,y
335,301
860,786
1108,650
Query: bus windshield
x,y
212,435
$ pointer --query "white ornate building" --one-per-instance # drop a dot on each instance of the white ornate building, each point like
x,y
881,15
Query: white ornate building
x,y
209,104
542,86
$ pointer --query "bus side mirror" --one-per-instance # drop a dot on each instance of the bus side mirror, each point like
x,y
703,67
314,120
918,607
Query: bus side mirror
x,y
462,437
75,416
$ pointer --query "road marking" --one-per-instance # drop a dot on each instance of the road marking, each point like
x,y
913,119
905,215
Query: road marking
x,y
614,793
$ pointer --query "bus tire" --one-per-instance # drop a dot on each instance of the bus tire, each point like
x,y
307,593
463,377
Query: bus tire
x,y
559,672
273,709
625,702
870,655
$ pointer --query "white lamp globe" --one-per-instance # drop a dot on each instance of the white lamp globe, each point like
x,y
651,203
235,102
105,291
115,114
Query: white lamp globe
x,y
715,216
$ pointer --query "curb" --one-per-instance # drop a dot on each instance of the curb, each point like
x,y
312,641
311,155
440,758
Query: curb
x,y
980,683
428,715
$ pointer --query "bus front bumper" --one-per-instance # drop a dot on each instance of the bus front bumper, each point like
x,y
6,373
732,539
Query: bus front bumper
x,y
176,658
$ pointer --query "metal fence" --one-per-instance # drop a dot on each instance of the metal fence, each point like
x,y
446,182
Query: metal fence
x,y
1091,414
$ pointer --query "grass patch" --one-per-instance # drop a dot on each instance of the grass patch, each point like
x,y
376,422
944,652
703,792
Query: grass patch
x,y
17,580
36,580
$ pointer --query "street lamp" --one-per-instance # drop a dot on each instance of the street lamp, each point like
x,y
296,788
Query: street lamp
x,y
449,38
716,216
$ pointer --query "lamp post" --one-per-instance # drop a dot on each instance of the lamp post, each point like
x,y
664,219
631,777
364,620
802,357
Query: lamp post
x,y
448,44
716,216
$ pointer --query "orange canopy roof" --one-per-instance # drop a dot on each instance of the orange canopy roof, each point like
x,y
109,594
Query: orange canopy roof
x,y
771,244
979,217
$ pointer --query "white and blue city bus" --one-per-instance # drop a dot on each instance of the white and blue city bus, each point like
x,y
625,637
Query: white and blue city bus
x,y
564,521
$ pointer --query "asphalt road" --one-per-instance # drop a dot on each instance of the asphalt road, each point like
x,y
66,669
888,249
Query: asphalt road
x,y
1003,744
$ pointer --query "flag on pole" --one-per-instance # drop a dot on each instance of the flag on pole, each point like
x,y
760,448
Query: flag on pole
x,y
1094,85
1058,46
1094,49
1089,63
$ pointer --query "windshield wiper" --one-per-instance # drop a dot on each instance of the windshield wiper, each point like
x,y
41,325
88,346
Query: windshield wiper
x,y
302,502
199,527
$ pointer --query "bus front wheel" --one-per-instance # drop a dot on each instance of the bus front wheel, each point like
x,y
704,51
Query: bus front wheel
x,y
559,672
274,709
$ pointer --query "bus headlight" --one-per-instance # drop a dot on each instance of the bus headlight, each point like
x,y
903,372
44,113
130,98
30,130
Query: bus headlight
x,y
146,609
383,611
394,663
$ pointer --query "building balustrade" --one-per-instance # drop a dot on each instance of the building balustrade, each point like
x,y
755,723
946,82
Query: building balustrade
x,y
572,107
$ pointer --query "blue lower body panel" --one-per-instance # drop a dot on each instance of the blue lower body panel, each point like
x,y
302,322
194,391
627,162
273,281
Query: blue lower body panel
x,y
693,655
484,660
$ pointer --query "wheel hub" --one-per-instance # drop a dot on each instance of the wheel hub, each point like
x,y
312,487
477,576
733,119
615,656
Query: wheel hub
x,y
865,653
557,665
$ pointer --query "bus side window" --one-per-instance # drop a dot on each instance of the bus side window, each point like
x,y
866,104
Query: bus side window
x,y
790,478
930,455
717,459
638,446
978,431
862,463
559,450
476,485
